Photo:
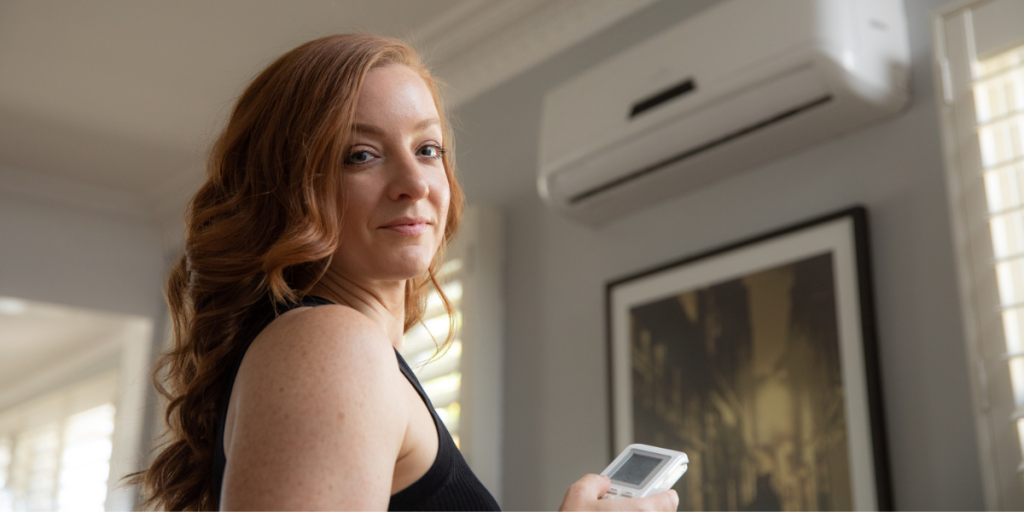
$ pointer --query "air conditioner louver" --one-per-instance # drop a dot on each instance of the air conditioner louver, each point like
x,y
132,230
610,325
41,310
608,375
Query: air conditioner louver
x,y
605,187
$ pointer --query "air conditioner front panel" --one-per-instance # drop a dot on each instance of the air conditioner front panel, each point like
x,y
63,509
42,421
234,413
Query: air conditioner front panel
x,y
707,167
728,117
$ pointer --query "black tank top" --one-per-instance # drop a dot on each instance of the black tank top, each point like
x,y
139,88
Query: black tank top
x,y
449,484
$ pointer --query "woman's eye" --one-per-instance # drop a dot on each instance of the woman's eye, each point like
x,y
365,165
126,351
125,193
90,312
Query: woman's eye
x,y
431,151
358,157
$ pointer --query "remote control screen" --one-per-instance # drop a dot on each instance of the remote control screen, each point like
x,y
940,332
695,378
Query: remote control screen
x,y
636,468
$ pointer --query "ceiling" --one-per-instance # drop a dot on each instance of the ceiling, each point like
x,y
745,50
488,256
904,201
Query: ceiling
x,y
125,96
111,104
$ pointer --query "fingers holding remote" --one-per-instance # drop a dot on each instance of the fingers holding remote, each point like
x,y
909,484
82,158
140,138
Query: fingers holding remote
x,y
586,494
668,500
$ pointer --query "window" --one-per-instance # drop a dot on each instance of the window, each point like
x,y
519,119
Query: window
x,y
55,450
980,57
63,373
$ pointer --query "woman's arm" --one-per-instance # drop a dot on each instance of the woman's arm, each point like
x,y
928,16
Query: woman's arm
x,y
318,419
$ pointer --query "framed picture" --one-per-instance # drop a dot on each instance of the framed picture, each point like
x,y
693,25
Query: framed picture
x,y
759,361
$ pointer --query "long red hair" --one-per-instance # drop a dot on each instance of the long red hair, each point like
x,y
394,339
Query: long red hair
x,y
261,231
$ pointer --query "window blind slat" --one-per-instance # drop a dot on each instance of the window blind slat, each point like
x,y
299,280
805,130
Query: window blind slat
x,y
1003,165
446,364
996,75
1013,326
1007,236
1010,118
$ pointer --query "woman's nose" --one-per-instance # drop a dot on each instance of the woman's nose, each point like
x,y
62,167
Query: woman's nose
x,y
410,180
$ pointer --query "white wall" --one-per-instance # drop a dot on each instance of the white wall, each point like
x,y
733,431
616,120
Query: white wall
x,y
556,388
77,256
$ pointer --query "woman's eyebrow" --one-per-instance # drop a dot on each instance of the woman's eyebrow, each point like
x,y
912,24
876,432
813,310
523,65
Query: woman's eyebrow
x,y
367,128
376,130
426,123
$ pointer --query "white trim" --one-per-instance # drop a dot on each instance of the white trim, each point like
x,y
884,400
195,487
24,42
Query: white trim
x,y
133,384
483,43
950,8
470,22
480,246
975,366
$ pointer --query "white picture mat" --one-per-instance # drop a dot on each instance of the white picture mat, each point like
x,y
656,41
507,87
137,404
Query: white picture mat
x,y
835,237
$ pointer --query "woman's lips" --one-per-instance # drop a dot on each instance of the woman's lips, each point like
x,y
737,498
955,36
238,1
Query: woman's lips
x,y
407,226
408,229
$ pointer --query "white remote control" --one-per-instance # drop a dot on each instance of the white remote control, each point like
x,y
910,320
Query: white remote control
x,y
642,470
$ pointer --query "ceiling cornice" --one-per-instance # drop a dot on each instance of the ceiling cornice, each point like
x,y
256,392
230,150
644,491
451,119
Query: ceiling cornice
x,y
38,186
486,42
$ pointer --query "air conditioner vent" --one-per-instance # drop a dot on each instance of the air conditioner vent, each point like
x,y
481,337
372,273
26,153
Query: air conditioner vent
x,y
639,173
672,92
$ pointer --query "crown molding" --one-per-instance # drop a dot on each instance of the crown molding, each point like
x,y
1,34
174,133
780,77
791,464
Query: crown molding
x,y
38,186
482,43
162,208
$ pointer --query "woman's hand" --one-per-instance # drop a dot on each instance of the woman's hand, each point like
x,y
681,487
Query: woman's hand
x,y
586,494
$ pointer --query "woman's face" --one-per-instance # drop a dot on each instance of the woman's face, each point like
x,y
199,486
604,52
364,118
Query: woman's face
x,y
394,186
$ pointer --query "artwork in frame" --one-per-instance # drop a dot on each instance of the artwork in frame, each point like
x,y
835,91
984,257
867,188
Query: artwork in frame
x,y
758,360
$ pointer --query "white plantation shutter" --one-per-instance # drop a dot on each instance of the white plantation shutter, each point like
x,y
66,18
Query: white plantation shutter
x,y
999,105
980,72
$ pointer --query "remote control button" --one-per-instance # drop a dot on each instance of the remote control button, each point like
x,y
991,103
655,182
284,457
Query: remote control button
x,y
613,491
627,494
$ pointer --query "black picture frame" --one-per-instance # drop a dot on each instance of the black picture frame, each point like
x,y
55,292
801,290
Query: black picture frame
x,y
658,311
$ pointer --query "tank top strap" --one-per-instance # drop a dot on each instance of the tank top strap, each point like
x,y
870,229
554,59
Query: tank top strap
x,y
411,377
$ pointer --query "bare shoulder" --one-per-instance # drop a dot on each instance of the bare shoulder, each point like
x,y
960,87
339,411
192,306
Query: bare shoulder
x,y
339,337
329,353
315,403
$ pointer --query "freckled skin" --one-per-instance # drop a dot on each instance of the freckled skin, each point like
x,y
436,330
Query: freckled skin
x,y
319,397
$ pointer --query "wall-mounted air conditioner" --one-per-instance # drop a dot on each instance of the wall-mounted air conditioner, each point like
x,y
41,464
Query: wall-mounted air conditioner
x,y
739,84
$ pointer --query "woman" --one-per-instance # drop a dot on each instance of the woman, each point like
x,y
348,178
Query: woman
x,y
330,199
